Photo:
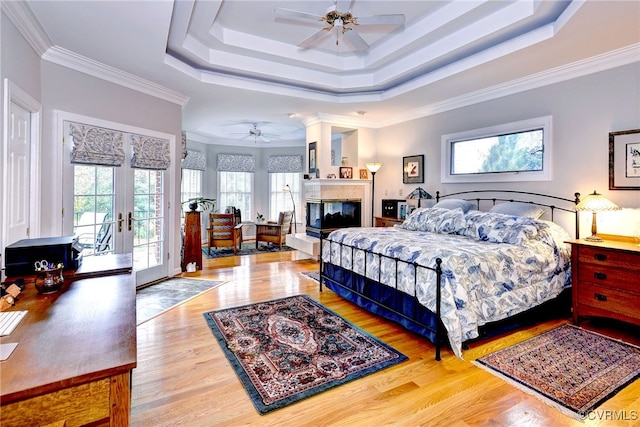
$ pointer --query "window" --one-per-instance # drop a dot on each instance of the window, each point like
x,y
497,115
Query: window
x,y
519,151
191,186
279,199
236,190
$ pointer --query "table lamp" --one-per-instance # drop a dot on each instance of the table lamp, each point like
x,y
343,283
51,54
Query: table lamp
x,y
373,167
419,193
596,203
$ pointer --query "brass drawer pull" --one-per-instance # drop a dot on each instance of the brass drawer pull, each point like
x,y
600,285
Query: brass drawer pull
x,y
600,276
600,297
600,257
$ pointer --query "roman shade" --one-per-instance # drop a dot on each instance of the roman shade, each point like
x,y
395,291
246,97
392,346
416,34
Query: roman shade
x,y
194,160
284,164
96,145
236,163
150,153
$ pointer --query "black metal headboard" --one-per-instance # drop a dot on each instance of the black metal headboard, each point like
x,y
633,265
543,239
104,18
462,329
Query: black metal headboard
x,y
546,200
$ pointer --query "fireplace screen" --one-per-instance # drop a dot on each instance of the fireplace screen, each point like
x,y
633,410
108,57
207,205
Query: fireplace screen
x,y
324,216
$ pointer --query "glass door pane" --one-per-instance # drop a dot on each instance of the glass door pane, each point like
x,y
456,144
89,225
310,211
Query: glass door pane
x,y
147,219
93,208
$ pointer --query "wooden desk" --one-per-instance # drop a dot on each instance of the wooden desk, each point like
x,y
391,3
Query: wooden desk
x,y
76,349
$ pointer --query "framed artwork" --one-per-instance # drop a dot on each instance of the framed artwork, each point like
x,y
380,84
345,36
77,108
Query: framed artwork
x,y
364,174
413,169
624,160
312,157
346,172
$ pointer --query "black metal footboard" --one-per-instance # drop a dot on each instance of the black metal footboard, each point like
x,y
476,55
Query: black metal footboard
x,y
439,330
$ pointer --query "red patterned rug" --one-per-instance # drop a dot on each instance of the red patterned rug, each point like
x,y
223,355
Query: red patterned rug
x,y
292,348
568,367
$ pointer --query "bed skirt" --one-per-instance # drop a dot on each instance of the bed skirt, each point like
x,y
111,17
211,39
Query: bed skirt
x,y
405,310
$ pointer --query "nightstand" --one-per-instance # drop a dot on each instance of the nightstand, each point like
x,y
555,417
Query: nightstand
x,y
385,221
606,280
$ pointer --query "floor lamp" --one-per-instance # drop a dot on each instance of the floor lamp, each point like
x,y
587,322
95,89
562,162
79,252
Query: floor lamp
x,y
373,168
295,221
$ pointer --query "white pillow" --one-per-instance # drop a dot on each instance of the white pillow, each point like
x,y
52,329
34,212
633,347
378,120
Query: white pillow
x,y
454,204
519,209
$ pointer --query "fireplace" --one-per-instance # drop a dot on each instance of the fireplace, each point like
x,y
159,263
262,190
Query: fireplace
x,y
326,215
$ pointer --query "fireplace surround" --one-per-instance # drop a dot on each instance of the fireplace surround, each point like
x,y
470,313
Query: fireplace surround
x,y
326,215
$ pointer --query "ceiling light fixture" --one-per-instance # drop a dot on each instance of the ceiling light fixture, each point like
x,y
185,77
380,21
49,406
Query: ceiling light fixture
x,y
361,113
293,115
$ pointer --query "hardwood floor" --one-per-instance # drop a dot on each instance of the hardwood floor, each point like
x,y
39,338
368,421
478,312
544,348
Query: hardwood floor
x,y
183,377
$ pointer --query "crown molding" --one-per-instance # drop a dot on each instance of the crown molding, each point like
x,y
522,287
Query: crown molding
x,y
614,59
21,16
69,59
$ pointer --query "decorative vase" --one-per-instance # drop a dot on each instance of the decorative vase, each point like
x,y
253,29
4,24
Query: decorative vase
x,y
49,281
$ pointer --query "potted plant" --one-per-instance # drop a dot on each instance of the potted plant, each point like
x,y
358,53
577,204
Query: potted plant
x,y
200,202
260,218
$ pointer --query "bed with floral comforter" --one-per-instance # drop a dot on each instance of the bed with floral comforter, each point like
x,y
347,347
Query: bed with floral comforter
x,y
493,265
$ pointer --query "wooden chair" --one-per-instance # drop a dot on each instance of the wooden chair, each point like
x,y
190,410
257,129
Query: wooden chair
x,y
223,232
275,232
237,215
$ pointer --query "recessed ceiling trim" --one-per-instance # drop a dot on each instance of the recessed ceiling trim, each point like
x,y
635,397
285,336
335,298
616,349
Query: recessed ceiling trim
x,y
21,16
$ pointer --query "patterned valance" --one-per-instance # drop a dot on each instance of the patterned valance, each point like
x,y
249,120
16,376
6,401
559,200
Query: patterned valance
x,y
284,164
150,153
96,146
194,160
236,163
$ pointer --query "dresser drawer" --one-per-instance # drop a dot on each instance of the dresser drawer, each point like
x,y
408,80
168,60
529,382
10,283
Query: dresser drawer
x,y
611,300
611,277
611,258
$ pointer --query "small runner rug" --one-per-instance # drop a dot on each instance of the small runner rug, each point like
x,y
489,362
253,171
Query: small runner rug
x,y
292,348
569,368
313,275
153,300
248,248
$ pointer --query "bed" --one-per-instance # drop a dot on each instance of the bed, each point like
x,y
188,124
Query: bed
x,y
452,271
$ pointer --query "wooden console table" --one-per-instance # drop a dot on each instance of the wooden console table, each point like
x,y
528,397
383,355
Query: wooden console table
x,y
76,349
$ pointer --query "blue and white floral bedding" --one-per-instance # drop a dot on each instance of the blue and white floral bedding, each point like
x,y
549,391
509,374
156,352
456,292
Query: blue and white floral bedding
x,y
494,265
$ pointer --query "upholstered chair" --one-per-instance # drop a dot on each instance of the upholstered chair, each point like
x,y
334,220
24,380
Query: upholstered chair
x,y
223,232
275,232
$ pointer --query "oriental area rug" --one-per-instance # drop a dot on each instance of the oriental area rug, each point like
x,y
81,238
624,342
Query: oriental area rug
x,y
247,248
569,368
292,348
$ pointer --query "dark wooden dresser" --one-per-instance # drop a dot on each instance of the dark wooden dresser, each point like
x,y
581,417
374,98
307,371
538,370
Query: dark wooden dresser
x,y
385,221
606,280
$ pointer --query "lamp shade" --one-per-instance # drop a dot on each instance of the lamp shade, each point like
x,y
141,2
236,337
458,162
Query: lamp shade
x,y
419,193
596,203
373,166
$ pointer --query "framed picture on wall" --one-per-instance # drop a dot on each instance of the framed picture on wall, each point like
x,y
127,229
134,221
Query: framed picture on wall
x,y
312,157
624,160
346,172
413,169
364,174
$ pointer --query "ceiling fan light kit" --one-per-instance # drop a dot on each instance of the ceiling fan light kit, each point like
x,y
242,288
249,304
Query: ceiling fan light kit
x,y
342,22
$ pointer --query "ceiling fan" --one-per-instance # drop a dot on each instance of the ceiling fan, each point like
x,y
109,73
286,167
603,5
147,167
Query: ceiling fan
x,y
342,22
257,134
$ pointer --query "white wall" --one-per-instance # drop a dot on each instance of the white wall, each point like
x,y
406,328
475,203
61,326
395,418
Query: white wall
x,y
584,111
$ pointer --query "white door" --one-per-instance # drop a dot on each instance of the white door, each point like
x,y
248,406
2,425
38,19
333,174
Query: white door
x,y
122,210
18,161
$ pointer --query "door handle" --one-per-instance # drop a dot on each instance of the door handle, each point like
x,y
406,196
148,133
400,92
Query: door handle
x,y
130,220
120,222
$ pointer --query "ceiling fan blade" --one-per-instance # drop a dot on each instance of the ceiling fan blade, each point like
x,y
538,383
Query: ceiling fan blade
x,y
350,8
397,19
358,42
314,38
282,13
264,138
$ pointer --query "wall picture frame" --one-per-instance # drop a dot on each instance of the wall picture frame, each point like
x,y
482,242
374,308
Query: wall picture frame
x,y
364,174
624,160
346,172
313,157
413,169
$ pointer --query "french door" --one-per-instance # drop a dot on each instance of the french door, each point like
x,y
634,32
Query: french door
x,y
121,210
